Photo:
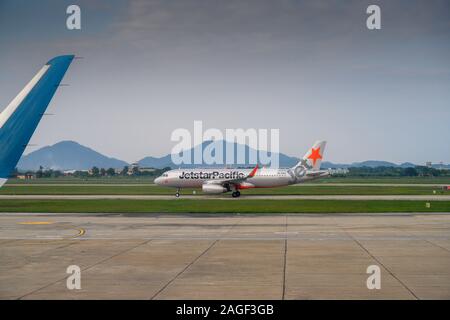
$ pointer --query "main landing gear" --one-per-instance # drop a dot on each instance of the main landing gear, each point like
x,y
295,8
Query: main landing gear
x,y
235,194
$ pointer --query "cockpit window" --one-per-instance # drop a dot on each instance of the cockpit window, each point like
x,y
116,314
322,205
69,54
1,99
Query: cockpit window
x,y
165,175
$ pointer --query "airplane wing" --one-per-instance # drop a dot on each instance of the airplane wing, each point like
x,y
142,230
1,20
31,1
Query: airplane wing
x,y
19,119
233,181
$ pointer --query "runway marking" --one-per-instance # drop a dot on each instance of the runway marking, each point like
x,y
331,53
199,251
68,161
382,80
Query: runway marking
x,y
36,222
255,238
81,232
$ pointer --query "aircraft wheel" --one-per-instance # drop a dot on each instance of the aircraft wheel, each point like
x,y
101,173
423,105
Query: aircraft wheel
x,y
177,194
235,194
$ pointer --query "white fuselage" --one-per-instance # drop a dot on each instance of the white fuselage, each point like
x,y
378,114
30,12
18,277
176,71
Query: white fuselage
x,y
217,181
195,178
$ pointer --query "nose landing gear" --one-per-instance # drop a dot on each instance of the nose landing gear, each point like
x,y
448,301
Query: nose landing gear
x,y
177,194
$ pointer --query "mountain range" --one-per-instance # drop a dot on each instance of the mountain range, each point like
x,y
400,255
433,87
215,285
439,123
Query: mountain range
x,y
67,155
70,155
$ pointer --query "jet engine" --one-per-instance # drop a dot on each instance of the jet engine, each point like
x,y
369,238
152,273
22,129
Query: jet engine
x,y
213,188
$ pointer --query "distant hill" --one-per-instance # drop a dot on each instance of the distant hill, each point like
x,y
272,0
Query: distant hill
x,y
159,163
369,163
67,155
166,161
285,160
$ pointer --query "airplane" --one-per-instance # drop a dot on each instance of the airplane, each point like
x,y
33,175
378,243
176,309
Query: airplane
x,y
216,181
19,119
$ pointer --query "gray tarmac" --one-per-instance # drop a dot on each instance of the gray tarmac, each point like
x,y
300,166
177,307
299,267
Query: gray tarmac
x,y
161,256
228,197
307,184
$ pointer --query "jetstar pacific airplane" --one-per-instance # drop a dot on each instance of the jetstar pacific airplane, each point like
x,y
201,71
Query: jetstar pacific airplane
x,y
19,119
217,181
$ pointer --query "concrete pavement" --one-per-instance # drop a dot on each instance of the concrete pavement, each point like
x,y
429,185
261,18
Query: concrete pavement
x,y
228,197
157,256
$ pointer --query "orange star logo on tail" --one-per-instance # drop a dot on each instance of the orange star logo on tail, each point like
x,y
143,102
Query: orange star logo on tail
x,y
315,155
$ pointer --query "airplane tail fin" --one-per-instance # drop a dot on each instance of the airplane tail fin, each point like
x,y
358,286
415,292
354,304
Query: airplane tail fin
x,y
19,119
313,158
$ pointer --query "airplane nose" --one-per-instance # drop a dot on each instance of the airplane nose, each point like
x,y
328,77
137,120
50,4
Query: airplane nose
x,y
158,181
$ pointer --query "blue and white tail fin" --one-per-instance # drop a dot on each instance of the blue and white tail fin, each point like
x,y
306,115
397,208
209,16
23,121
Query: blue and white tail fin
x,y
19,119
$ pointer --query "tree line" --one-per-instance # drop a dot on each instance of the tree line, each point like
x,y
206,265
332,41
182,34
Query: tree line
x,y
93,172
418,171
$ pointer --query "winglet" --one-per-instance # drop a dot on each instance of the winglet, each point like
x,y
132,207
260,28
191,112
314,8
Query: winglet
x,y
252,174
19,119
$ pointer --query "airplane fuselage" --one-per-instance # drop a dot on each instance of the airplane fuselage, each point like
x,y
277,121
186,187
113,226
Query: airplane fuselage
x,y
217,181
196,178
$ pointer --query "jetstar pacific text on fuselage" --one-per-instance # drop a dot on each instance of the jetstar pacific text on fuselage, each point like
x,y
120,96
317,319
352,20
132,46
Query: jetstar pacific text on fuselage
x,y
211,175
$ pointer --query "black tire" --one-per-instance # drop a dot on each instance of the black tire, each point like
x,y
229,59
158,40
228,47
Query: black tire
x,y
177,195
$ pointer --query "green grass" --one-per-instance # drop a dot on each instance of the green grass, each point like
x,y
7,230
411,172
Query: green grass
x,y
221,206
148,179
84,190
82,181
393,180
156,190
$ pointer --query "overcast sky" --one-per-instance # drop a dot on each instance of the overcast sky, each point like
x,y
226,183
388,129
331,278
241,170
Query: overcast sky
x,y
309,68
